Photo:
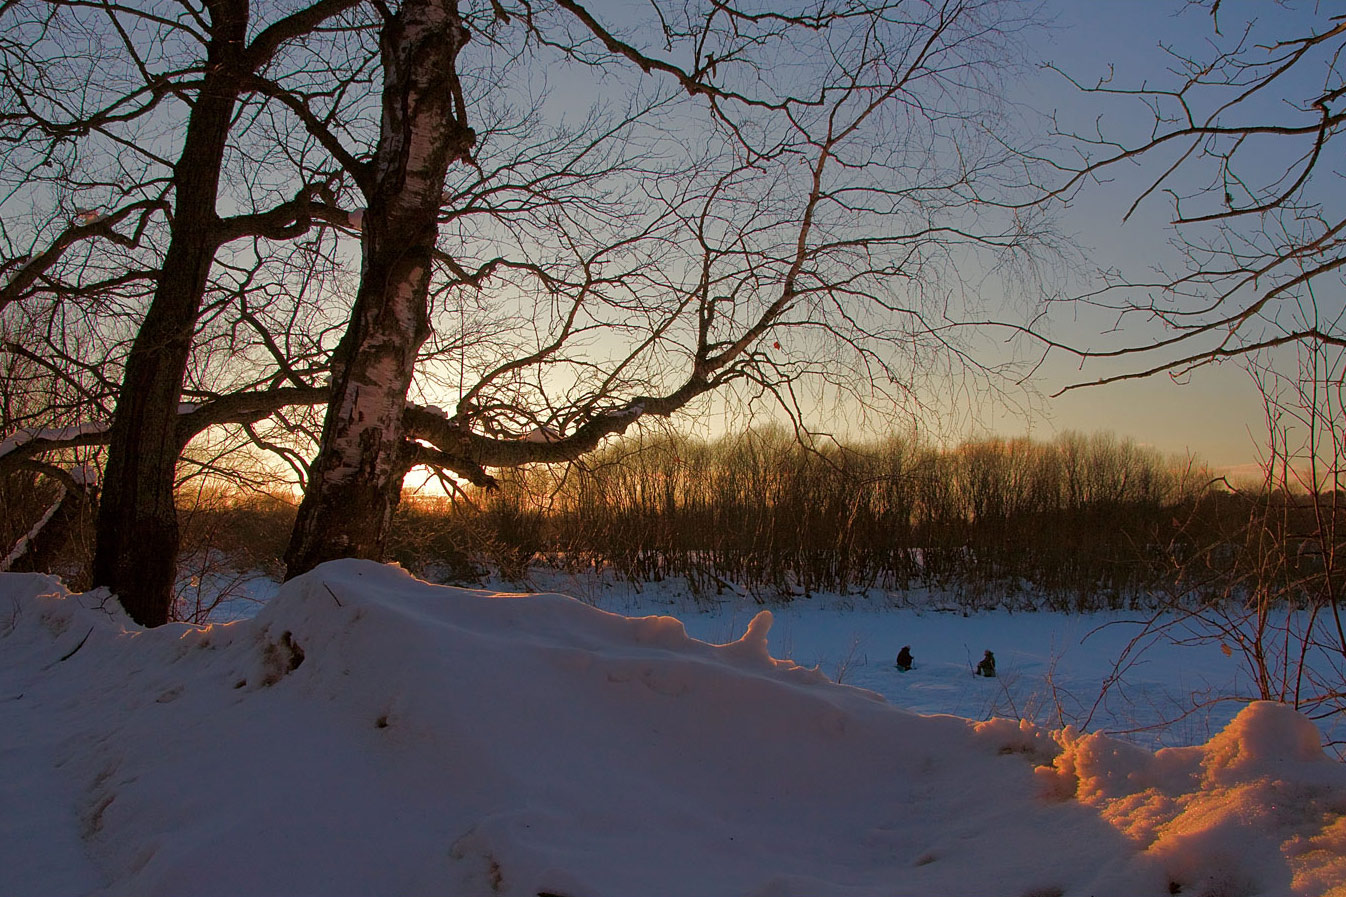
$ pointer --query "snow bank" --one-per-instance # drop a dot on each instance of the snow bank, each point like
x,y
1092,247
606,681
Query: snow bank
x,y
368,733
1259,809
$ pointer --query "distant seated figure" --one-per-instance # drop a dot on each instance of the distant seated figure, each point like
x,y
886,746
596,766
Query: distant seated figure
x,y
986,667
904,658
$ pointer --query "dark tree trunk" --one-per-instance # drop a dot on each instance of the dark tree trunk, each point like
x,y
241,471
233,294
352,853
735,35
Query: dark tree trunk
x,y
137,536
356,480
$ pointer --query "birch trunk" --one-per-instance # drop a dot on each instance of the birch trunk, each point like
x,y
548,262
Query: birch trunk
x,y
356,479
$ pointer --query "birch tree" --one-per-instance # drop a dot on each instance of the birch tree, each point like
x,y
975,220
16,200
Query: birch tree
x,y
357,478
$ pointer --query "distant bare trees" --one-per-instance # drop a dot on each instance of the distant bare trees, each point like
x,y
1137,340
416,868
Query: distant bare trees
x,y
1077,523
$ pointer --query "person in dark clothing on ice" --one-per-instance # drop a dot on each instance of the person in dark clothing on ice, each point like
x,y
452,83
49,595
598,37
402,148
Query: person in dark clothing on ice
x,y
986,667
904,658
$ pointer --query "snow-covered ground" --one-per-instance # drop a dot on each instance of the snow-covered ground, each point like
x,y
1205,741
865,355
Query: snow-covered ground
x,y
1052,667
367,733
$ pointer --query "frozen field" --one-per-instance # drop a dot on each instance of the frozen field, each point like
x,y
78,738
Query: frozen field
x,y
1052,667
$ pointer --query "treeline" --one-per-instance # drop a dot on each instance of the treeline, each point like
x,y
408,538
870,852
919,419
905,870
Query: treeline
x,y
1079,522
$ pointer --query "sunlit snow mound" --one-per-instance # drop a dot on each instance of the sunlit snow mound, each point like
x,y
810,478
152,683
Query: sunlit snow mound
x,y
372,734
1256,810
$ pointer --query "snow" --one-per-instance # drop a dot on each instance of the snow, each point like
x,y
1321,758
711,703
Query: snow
x,y
1052,665
368,733
21,547
22,437
85,475
541,435
1203,811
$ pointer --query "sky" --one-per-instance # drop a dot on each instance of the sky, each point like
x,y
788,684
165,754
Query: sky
x,y
1215,412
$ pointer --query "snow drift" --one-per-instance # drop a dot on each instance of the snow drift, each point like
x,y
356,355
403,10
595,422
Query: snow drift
x,y
368,733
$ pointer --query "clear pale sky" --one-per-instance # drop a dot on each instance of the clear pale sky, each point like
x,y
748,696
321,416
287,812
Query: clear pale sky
x,y
1216,412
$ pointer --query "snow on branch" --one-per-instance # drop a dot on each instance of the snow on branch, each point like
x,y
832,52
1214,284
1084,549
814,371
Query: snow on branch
x,y
33,441
21,547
